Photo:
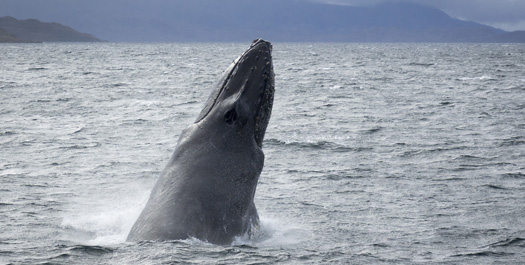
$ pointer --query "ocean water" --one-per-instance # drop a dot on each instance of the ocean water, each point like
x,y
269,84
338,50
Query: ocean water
x,y
375,153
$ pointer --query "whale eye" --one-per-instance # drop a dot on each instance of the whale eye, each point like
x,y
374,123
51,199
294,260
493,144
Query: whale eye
x,y
231,116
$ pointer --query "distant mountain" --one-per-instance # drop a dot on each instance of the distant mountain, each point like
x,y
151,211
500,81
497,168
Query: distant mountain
x,y
32,30
243,20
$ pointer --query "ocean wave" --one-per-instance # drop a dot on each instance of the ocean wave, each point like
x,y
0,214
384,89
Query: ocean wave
x,y
341,175
495,187
91,250
77,146
422,64
484,253
323,145
479,78
497,249
7,133
517,140
518,87
65,254
36,68
510,242
514,175
372,130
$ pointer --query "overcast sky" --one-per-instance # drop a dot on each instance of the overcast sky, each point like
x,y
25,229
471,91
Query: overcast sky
x,y
505,14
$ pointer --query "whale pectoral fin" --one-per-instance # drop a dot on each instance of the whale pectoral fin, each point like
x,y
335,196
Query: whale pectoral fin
x,y
251,221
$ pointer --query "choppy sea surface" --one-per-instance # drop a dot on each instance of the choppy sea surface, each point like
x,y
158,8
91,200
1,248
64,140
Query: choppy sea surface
x,y
375,153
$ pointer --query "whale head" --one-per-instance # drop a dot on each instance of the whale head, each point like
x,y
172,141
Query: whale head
x,y
242,100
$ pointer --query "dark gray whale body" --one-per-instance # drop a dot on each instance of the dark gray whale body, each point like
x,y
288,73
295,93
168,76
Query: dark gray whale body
x,y
206,191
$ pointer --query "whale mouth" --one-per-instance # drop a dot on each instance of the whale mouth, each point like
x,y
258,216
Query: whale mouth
x,y
249,79
265,102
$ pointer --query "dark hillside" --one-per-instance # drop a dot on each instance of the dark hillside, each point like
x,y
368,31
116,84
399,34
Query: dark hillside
x,y
32,30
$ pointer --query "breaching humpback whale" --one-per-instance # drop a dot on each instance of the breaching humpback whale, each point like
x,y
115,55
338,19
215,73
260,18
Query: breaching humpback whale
x,y
207,189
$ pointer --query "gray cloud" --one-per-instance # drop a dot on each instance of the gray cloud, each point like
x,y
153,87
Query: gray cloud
x,y
506,14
